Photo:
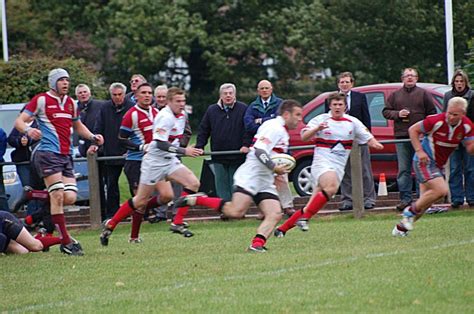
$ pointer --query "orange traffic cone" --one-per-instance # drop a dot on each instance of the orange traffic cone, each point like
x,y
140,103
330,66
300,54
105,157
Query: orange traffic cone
x,y
382,186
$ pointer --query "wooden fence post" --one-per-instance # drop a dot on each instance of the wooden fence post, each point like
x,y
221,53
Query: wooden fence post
x,y
357,182
94,191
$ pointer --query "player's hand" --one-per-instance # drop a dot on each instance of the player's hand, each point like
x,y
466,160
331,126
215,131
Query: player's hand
x,y
244,149
322,126
24,141
193,152
34,133
422,157
281,169
378,146
99,139
92,149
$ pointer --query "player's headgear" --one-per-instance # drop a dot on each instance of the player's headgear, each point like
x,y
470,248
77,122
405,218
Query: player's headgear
x,y
54,76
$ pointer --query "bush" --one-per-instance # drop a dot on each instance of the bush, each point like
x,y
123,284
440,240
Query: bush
x,y
22,78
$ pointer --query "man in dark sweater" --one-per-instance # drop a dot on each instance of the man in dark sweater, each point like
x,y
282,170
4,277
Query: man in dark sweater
x,y
407,106
223,122
108,124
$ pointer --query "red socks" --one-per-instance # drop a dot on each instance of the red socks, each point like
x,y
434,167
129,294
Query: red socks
x,y
315,205
211,202
40,195
154,202
259,240
136,223
181,212
60,223
123,212
47,241
290,222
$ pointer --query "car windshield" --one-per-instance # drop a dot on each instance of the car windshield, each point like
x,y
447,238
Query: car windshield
x,y
7,119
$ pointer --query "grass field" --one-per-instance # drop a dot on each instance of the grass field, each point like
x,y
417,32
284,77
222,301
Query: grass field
x,y
340,265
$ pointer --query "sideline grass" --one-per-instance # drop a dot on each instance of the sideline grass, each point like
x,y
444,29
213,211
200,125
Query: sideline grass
x,y
340,265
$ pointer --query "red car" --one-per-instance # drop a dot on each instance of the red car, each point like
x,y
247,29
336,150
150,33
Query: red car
x,y
384,161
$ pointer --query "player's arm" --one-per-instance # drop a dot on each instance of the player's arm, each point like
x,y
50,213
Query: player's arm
x,y
188,151
311,129
22,127
84,132
415,131
125,142
469,144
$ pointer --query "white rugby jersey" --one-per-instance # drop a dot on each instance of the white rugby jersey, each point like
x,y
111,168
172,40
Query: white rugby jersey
x,y
333,144
272,137
169,127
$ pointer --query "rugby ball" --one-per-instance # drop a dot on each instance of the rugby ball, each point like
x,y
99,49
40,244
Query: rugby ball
x,y
284,159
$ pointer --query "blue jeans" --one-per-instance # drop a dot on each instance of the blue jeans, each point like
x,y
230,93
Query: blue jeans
x,y
224,179
405,154
461,177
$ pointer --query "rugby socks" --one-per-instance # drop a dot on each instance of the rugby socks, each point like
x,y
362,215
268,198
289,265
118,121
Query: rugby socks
x,y
211,202
125,210
154,202
137,219
290,222
39,195
182,211
259,240
47,241
315,205
60,223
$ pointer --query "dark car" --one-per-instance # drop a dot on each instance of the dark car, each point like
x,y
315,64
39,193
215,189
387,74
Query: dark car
x,y
384,161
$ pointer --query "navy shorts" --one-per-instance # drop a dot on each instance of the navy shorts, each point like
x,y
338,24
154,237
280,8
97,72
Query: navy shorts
x,y
132,171
10,228
49,163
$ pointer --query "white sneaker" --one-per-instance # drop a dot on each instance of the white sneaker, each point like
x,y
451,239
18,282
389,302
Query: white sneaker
x,y
188,200
408,218
398,233
303,224
135,240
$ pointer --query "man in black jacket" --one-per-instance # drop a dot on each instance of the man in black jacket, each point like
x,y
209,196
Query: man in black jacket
x,y
356,107
108,124
223,122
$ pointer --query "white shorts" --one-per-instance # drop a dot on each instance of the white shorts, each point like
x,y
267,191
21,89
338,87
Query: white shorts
x,y
254,177
318,168
157,168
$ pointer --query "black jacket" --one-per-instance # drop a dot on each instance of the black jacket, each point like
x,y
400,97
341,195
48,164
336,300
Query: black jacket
x,y
21,153
108,124
89,113
226,130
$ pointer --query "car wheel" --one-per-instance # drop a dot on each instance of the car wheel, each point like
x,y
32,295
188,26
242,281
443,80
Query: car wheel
x,y
302,180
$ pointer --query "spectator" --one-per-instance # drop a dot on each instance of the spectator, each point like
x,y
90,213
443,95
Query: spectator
x,y
57,115
90,110
3,148
263,108
108,124
441,133
407,106
22,153
329,159
461,164
356,107
160,96
223,122
135,81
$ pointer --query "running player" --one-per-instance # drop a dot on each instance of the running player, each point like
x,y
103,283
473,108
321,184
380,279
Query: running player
x,y
442,134
334,133
254,179
161,164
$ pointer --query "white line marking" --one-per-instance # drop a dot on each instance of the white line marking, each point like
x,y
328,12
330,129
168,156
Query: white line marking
x,y
177,286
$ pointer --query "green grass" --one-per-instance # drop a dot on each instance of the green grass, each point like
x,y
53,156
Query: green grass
x,y
340,265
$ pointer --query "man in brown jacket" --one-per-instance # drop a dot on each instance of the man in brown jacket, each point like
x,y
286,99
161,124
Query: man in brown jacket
x,y
407,106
